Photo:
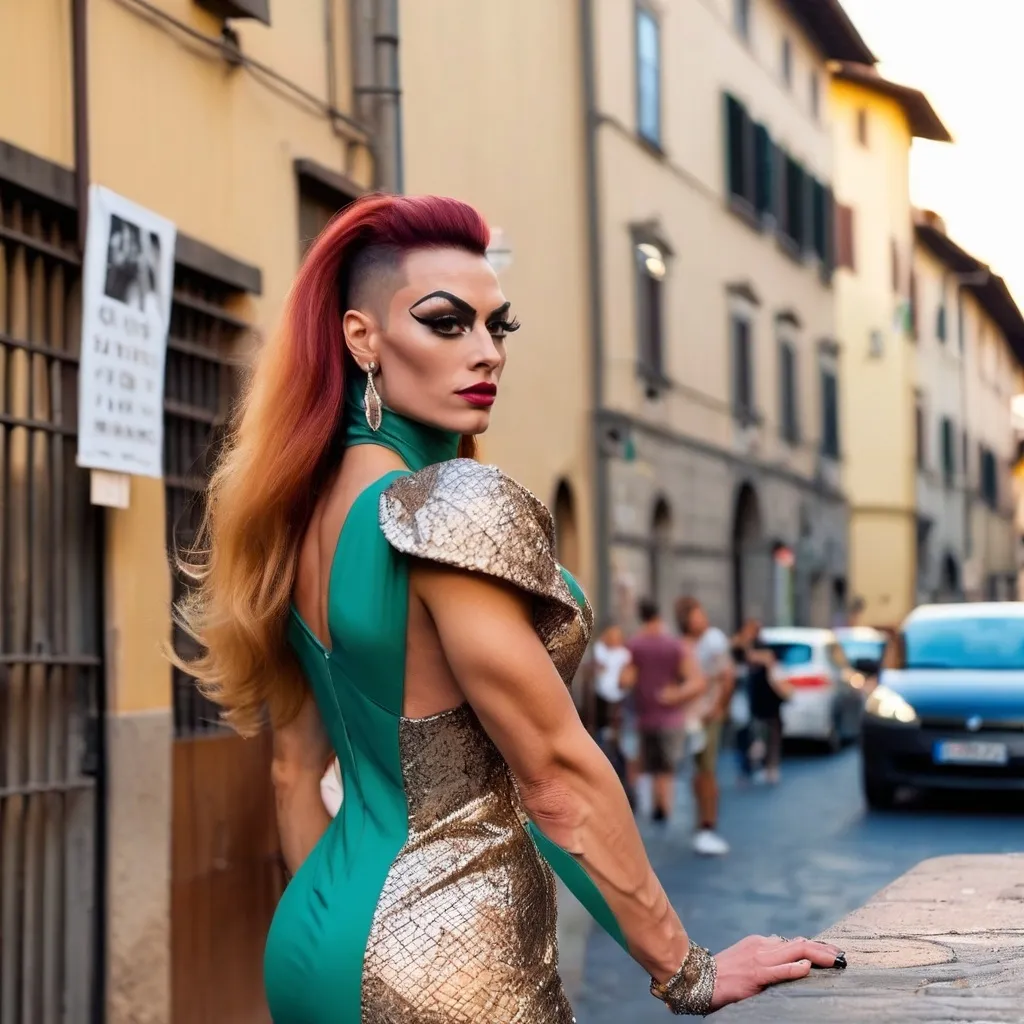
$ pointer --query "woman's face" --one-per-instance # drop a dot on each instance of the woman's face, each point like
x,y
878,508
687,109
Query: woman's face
x,y
438,339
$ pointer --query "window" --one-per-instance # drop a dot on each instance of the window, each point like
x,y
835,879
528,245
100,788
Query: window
x,y
845,248
894,265
980,644
822,205
815,95
862,126
323,192
948,441
829,413
648,76
794,213
940,321
764,182
961,326
650,273
201,382
739,159
789,426
257,9
989,478
965,458
741,18
787,62
743,371
920,441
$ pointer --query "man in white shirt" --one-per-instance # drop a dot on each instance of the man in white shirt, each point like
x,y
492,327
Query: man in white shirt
x,y
711,647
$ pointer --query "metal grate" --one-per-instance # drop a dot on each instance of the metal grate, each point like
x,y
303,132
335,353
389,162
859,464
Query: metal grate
x,y
200,385
51,698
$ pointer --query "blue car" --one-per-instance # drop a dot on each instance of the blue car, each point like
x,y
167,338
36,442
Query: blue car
x,y
948,712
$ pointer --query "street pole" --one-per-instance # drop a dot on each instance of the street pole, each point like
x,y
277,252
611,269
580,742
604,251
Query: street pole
x,y
601,496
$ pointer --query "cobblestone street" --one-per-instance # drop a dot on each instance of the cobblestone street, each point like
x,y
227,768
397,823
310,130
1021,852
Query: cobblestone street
x,y
804,854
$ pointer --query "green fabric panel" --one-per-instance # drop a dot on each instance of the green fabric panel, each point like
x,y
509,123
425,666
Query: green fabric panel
x,y
579,883
313,965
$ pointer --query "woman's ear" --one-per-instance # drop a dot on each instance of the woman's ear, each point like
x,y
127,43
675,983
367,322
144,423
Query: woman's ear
x,y
360,337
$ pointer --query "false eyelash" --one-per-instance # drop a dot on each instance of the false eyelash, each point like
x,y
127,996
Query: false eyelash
x,y
508,326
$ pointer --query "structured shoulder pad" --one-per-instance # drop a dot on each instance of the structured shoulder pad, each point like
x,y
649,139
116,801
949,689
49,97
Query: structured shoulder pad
x,y
474,517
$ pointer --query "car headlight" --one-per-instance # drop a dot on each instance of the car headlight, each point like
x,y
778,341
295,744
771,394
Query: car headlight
x,y
888,704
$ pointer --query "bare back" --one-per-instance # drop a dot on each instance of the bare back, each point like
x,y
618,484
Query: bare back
x,y
430,686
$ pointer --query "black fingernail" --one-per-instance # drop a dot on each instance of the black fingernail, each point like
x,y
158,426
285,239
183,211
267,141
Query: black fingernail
x,y
840,962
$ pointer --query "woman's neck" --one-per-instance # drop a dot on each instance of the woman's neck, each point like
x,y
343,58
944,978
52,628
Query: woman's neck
x,y
417,444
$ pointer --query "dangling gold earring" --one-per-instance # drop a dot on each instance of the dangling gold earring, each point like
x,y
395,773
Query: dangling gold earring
x,y
372,404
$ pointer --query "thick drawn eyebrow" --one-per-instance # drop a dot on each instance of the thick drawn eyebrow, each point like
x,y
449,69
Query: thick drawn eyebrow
x,y
460,304
500,311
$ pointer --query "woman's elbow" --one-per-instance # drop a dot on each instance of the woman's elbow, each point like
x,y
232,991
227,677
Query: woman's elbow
x,y
558,806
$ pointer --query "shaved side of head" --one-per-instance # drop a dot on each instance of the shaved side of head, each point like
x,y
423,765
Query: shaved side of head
x,y
373,277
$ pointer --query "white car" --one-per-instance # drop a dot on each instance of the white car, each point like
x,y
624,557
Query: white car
x,y
827,702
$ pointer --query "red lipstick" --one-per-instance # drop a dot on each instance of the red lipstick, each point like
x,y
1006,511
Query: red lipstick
x,y
481,395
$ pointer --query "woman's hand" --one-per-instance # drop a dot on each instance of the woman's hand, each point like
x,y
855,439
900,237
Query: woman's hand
x,y
755,963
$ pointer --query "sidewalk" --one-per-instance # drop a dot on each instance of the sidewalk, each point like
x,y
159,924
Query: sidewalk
x,y
944,944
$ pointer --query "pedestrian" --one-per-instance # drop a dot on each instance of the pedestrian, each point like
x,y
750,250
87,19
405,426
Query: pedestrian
x,y
613,679
668,678
714,657
768,692
739,707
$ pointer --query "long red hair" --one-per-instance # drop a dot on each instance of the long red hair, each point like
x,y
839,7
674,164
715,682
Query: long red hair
x,y
283,447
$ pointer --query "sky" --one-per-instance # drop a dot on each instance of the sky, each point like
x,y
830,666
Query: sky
x,y
967,58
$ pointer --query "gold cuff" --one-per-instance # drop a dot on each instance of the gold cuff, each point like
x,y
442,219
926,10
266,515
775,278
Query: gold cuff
x,y
691,989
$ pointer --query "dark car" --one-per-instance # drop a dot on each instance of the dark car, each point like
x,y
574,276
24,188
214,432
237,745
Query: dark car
x,y
949,714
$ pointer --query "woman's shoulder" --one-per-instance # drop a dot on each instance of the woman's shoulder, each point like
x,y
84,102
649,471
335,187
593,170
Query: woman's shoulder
x,y
465,506
471,516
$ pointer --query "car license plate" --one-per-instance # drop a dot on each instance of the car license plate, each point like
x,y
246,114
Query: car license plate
x,y
970,752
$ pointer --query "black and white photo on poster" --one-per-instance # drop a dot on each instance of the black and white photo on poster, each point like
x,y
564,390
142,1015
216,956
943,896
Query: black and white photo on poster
x,y
127,284
133,264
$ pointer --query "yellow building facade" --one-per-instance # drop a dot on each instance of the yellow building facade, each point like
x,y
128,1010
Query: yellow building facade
x,y
127,814
918,319
502,127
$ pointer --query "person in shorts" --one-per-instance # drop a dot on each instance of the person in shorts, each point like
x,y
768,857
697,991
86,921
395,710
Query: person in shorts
x,y
667,678
714,656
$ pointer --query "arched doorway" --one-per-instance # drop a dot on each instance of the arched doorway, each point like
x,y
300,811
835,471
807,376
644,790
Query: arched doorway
x,y
660,551
949,582
746,548
567,537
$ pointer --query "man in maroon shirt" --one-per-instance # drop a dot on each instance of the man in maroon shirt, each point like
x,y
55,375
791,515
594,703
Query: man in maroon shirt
x,y
666,678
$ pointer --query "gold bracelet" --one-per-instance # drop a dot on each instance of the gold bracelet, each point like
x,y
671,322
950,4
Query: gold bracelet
x,y
692,988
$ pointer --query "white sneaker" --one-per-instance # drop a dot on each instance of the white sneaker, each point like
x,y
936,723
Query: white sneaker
x,y
710,844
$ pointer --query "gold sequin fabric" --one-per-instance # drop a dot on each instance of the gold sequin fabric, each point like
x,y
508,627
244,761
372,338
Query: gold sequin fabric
x,y
471,516
464,930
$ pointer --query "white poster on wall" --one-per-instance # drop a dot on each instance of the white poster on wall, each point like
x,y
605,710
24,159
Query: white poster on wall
x,y
126,313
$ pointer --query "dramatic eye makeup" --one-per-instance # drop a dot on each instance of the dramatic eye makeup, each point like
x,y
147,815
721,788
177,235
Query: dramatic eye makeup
x,y
448,316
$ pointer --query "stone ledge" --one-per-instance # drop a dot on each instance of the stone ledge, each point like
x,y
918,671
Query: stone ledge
x,y
944,944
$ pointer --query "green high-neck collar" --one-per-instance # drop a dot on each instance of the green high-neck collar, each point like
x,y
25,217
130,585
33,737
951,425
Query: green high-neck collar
x,y
417,444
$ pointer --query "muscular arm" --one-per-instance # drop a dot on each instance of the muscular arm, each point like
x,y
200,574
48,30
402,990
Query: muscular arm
x,y
302,752
568,787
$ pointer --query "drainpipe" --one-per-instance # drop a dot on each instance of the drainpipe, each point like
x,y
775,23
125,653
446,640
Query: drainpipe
x,y
601,496
390,173
80,125
80,96
376,90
